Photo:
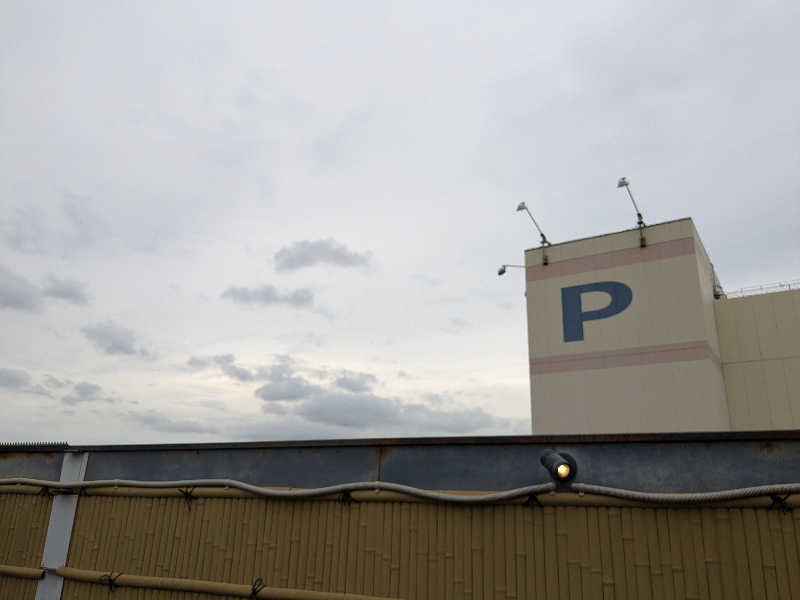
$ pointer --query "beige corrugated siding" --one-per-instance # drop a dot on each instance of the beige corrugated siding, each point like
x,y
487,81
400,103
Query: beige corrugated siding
x,y
88,591
417,550
23,527
761,359
12,588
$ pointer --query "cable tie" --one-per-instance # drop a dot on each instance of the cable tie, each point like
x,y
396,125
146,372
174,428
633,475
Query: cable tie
x,y
346,498
533,500
188,495
111,579
779,503
258,585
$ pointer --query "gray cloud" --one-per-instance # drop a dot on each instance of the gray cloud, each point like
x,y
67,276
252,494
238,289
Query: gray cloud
x,y
357,408
159,422
308,253
67,290
267,295
85,392
22,230
368,411
20,381
226,363
356,382
283,384
112,339
289,389
17,292
198,363
55,383
84,225
14,379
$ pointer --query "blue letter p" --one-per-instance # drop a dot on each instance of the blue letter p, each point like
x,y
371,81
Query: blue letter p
x,y
621,296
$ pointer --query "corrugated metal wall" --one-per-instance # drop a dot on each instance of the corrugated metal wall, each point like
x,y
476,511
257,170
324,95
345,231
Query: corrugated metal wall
x,y
23,527
760,355
416,550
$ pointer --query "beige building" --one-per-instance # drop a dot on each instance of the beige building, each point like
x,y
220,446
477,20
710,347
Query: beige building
x,y
631,332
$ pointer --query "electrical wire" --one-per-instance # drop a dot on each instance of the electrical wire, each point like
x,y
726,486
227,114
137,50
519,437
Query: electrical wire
x,y
377,486
332,490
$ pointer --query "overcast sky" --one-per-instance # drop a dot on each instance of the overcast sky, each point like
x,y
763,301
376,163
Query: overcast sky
x,y
243,221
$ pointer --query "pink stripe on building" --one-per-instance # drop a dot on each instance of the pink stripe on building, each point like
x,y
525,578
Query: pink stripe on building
x,y
626,357
607,260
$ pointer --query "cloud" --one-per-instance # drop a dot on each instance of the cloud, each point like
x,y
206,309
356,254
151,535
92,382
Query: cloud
x,y
17,292
267,295
198,363
308,253
113,339
67,290
283,384
53,382
356,382
84,225
349,403
289,389
14,379
22,230
368,411
226,363
18,380
159,422
85,392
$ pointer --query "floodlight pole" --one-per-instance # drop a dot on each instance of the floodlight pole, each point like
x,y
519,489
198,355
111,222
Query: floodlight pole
x,y
544,242
623,182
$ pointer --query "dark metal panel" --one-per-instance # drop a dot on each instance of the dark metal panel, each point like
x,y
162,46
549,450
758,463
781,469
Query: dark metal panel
x,y
291,467
37,465
655,462
477,467
656,467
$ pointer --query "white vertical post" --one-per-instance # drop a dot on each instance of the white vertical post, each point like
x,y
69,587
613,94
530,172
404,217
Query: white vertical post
x,y
59,529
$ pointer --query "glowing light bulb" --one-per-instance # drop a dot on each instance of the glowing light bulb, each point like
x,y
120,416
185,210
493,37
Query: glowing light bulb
x,y
563,470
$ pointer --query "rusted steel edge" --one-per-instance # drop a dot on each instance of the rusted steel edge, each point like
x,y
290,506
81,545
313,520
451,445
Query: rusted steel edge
x,y
511,440
113,578
21,572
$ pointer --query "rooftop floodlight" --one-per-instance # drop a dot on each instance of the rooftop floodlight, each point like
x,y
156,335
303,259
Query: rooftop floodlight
x,y
522,206
502,269
624,183
560,465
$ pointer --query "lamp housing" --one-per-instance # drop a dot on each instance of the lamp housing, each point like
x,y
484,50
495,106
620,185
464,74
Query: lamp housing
x,y
560,465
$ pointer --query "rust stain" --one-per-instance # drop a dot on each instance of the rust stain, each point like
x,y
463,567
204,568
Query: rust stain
x,y
380,453
769,447
46,455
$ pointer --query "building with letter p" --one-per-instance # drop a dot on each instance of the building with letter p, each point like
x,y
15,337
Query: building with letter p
x,y
621,337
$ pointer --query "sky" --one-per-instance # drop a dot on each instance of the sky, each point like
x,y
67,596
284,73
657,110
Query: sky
x,y
265,221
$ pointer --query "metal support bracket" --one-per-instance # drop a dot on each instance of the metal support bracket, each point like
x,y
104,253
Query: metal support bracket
x,y
59,529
